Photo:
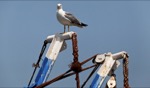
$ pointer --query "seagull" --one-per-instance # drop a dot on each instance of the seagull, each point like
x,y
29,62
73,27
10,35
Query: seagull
x,y
67,19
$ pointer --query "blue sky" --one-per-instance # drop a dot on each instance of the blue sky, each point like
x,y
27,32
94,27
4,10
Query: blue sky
x,y
113,26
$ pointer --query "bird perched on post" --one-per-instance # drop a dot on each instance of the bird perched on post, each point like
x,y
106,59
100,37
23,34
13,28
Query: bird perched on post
x,y
67,19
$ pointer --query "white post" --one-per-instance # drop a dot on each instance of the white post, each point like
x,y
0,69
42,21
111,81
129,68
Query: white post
x,y
57,45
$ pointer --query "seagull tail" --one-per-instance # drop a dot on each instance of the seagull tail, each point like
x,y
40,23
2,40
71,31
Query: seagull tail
x,y
83,24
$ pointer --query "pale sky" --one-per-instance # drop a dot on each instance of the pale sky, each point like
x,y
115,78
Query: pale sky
x,y
113,26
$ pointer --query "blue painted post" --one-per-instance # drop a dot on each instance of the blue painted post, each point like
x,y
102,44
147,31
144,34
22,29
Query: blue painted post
x,y
57,45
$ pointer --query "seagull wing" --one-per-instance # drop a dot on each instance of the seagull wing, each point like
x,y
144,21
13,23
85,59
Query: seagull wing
x,y
72,18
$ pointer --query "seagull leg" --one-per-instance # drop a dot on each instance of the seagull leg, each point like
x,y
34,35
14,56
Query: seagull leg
x,y
68,29
64,28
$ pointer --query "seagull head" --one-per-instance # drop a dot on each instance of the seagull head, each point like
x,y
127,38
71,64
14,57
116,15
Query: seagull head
x,y
59,6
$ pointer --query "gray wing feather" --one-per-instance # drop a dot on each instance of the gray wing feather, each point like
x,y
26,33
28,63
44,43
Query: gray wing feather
x,y
72,18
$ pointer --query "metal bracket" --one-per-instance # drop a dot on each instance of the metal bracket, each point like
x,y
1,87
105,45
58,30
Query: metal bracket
x,y
109,65
111,82
64,46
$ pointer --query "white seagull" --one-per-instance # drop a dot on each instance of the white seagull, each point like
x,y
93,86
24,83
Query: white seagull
x,y
67,19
